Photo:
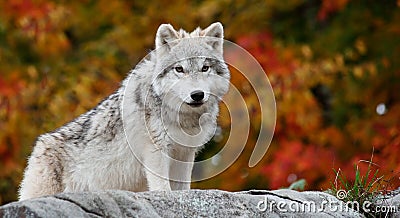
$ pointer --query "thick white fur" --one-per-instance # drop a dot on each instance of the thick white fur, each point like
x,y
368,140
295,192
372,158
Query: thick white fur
x,y
135,138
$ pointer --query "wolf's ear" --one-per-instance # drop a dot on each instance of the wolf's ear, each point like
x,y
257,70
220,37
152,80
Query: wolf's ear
x,y
215,30
165,34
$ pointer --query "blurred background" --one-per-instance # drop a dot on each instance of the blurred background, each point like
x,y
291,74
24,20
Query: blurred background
x,y
334,66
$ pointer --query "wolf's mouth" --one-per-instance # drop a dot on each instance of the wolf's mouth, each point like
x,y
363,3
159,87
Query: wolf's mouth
x,y
195,104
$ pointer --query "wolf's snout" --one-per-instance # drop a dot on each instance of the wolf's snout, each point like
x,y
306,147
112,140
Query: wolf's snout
x,y
197,95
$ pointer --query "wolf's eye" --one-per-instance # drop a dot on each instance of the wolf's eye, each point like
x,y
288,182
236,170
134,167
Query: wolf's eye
x,y
179,69
205,68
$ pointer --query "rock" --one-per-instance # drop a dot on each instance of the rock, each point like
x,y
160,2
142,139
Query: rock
x,y
388,205
189,203
394,201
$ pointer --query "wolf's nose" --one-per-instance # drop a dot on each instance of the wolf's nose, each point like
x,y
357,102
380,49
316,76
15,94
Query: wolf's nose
x,y
197,95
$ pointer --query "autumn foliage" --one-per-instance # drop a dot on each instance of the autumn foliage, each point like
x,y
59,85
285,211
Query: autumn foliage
x,y
333,65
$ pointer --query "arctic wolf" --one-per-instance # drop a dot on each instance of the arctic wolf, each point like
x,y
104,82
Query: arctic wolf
x,y
146,134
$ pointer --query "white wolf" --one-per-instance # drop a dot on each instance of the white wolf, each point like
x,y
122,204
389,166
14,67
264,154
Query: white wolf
x,y
145,135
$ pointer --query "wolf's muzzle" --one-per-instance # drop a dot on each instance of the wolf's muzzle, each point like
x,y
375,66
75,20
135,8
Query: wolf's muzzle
x,y
197,97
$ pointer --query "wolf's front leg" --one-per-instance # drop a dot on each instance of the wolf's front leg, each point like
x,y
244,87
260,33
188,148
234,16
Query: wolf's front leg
x,y
156,164
181,170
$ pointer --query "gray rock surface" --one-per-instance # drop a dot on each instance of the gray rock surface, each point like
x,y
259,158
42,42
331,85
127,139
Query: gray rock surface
x,y
395,200
190,203
389,204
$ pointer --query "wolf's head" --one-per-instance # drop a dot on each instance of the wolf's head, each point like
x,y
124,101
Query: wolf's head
x,y
190,73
